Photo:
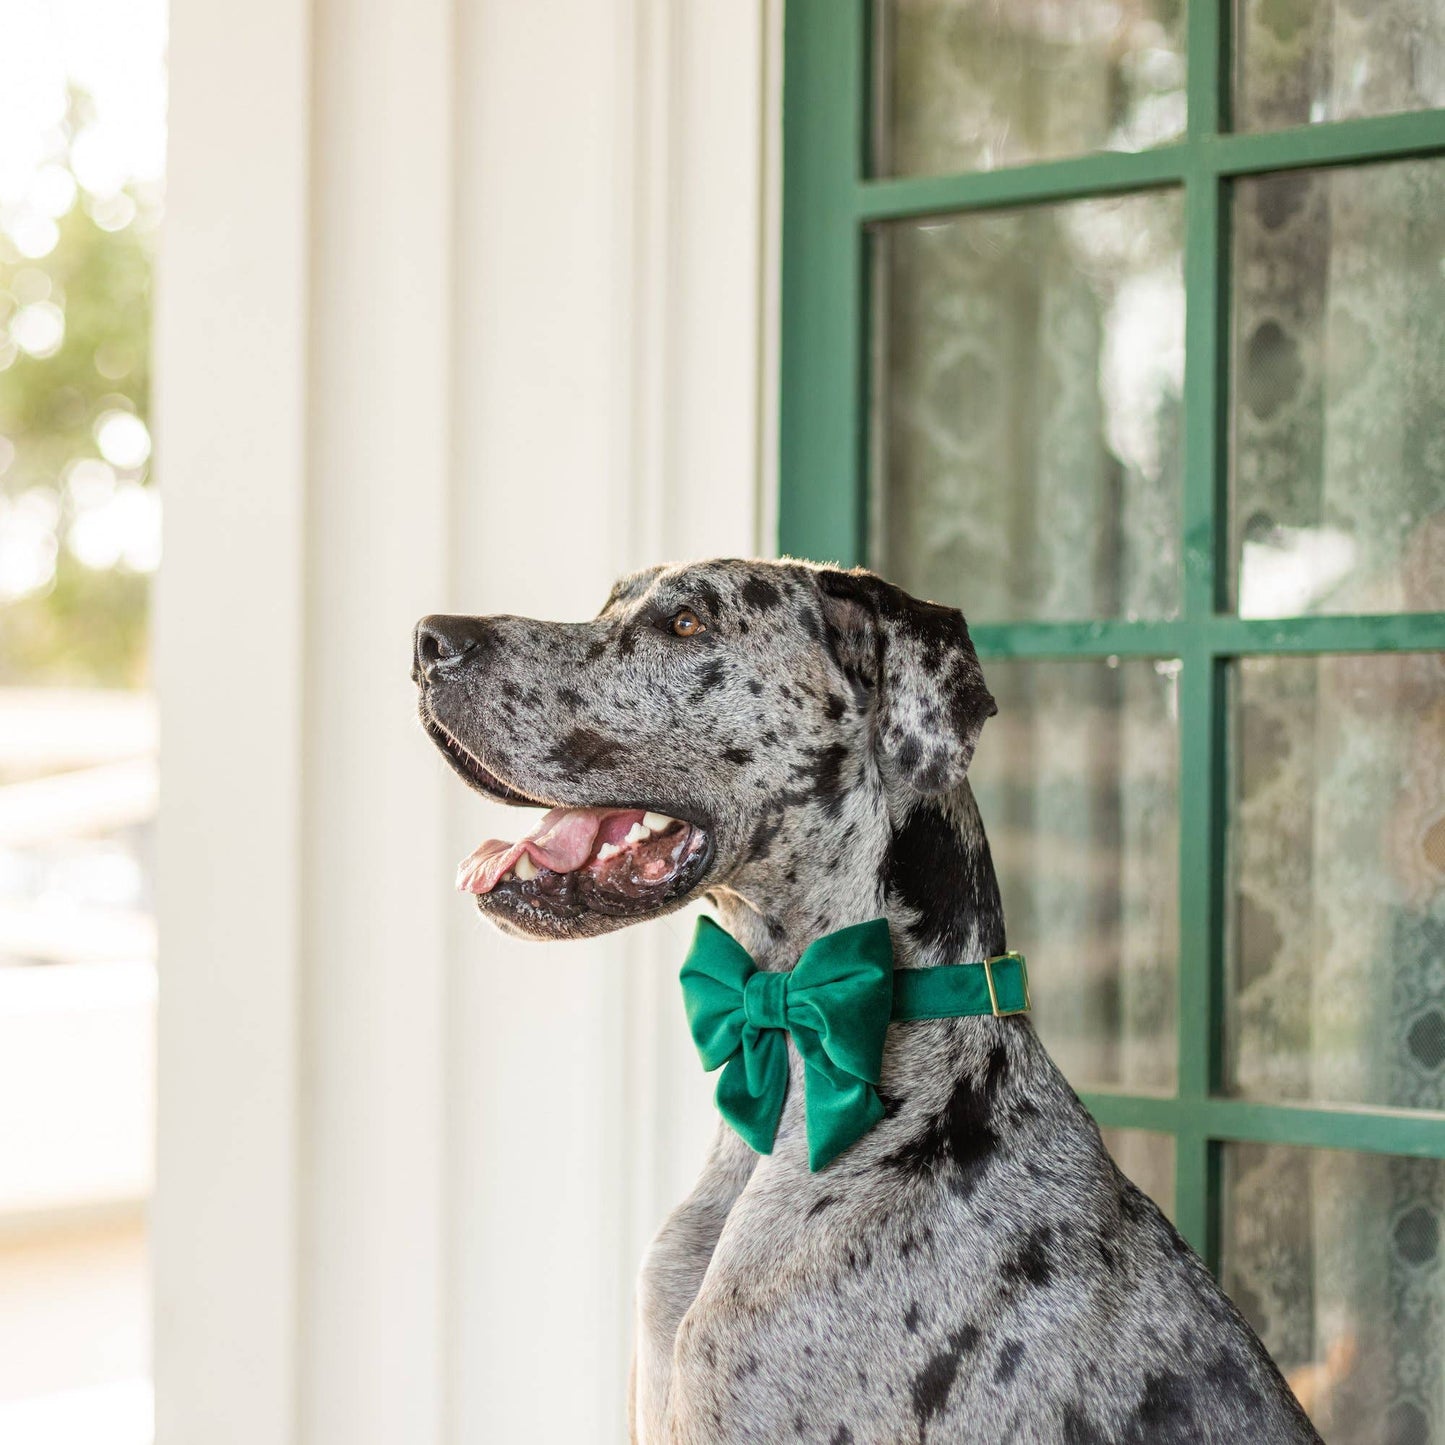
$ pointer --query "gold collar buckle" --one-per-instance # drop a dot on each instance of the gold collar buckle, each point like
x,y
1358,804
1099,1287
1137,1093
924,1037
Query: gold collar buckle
x,y
988,963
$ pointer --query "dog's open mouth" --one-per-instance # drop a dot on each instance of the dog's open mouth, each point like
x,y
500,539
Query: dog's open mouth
x,y
612,860
617,862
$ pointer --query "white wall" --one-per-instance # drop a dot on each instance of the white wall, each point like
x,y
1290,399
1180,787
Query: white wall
x,y
463,307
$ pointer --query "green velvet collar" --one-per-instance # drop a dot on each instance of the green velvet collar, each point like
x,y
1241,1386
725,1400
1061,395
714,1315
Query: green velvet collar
x,y
835,1004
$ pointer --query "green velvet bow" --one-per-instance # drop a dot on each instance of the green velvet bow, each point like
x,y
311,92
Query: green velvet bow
x,y
835,1005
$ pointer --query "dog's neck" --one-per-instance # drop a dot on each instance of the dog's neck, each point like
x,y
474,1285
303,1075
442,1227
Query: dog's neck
x,y
924,864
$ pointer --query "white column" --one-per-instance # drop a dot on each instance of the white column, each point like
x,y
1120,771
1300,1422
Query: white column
x,y
464,308
230,613
542,302
376,867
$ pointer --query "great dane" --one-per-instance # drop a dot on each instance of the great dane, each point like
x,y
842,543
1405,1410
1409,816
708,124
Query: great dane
x,y
792,743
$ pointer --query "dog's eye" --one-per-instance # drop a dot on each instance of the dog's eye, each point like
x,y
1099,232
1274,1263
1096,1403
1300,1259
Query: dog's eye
x,y
687,623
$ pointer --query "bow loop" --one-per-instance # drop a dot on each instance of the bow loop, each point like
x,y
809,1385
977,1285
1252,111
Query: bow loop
x,y
842,986
835,1006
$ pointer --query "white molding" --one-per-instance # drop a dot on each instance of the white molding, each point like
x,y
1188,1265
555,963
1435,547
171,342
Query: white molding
x,y
303,405
708,413
463,308
541,430
612,224
375,860
770,280
231,395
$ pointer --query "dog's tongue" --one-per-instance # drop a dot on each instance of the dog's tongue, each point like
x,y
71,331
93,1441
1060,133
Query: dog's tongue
x,y
563,841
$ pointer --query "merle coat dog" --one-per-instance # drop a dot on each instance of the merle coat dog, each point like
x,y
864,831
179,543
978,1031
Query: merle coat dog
x,y
793,743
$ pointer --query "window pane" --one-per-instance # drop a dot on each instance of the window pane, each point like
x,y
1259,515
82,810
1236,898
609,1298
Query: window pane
x,y
1335,1259
1336,986
1337,465
1299,61
1077,782
972,84
1148,1159
1029,373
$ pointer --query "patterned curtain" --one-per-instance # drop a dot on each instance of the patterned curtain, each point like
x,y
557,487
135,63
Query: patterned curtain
x,y
1340,827
1029,441
1030,408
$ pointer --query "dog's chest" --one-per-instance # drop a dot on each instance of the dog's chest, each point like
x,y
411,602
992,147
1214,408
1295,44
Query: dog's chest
x,y
859,1327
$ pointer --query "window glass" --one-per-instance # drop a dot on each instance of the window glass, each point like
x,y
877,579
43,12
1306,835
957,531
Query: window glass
x,y
1336,983
1077,782
968,85
1335,1259
1338,367
1028,433
1303,61
1148,1159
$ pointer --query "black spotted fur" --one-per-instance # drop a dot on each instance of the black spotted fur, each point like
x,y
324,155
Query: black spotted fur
x,y
973,1269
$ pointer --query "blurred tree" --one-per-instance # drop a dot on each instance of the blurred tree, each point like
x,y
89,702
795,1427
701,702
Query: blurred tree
x,y
85,622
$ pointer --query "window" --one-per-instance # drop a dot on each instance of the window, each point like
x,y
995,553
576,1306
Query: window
x,y
82,135
1123,328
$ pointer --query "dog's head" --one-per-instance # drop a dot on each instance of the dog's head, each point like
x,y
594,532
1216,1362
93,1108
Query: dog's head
x,y
726,724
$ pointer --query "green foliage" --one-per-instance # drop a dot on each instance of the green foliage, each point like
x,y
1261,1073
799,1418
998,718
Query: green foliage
x,y
88,627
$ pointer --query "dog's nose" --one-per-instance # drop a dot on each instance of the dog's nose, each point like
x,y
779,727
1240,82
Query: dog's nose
x,y
443,643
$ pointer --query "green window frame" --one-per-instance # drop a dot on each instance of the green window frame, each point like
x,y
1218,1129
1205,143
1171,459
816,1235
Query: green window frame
x,y
829,204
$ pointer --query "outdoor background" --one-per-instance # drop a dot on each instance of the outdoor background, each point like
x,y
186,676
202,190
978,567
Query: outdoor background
x,y
82,145
307,1182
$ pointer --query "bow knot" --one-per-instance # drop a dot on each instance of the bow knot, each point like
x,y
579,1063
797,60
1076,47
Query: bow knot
x,y
765,1000
834,1005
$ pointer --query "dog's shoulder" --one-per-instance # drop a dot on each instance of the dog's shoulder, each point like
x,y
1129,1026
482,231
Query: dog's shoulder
x,y
1057,1303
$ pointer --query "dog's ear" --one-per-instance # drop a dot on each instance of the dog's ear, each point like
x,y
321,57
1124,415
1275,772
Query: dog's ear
x,y
930,700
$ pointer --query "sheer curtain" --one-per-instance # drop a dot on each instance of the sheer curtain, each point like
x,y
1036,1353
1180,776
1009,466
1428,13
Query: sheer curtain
x,y
1340,826
1030,449
1028,371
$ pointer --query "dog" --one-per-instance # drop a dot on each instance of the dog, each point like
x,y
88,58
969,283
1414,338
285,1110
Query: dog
x,y
792,743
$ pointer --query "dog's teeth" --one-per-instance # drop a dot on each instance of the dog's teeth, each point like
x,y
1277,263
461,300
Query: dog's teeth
x,y
657,822
637,833
526,870
606,851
